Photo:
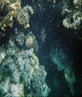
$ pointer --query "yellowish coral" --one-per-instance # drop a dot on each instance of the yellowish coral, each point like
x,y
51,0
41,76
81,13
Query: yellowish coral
x,y
14,10
15,6
29,41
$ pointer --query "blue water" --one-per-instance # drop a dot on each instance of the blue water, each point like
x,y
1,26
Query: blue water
x,y
51,20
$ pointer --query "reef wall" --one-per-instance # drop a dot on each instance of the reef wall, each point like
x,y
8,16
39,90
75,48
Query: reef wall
x,y
21,74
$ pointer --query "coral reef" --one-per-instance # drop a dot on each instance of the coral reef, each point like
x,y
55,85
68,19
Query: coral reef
x,y
10,9
73,10
63,64
31,41
21,74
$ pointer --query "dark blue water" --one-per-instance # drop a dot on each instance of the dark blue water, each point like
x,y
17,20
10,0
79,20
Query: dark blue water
x,y
51,20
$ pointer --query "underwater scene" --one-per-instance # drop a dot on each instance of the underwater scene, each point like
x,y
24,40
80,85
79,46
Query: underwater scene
x,y
40,48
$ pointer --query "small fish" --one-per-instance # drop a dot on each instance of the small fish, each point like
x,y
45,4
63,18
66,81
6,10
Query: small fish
x,y
43,35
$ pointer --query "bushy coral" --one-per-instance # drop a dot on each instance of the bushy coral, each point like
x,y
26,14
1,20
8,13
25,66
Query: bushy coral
x,y
73,10
10,9
21,74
